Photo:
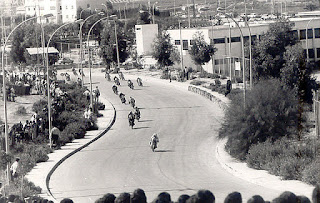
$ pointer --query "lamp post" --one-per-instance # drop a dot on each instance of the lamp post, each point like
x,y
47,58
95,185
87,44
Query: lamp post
x,y
307,48
243,59
4,88
90,78
80,39
153,11
106,8
48,78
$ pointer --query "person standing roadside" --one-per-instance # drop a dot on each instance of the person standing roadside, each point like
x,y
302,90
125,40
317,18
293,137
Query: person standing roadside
x,y
13,169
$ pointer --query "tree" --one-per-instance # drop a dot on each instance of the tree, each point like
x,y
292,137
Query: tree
x,y
271,112
311,7
164,51
200,51
267,54
296,73
107,45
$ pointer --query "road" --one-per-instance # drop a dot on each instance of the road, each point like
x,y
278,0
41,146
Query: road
x,y
121,160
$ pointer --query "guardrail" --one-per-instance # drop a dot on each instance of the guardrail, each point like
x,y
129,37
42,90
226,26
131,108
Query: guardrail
x,y
208,95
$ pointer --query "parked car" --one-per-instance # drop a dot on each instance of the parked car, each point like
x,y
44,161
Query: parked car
x,y
65,61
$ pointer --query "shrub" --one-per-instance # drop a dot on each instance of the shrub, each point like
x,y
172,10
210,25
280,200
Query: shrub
x,y
223,77
311,173
197,82
270,112
75,130
4,159
284,157
28,189
217,82
21,110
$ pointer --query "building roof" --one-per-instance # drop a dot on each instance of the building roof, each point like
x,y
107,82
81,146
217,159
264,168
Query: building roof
x,y
39,50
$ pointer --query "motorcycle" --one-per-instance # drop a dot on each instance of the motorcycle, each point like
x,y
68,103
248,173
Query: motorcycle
x,y
115,89
137,115
107,76
116,81
132,102
131,122
153,145
130,84
139,81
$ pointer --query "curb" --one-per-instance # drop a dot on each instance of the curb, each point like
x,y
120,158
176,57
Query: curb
x,y
110,124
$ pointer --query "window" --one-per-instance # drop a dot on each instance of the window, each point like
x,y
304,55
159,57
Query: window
x,y
302,34
311,53
72,7
67,16
177,42
52,8
185,44
318,52
317,32
219,41
235,39
66,7
310,33
138,28
28,9
253,38
60,8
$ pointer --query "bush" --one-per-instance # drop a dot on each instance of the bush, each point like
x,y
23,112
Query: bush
x,y
270,112
4,159
311,173
21,110
28,189
197,82
284,158
75,130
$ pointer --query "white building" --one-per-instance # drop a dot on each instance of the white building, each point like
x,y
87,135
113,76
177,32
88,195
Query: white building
x,y
63,10
227,40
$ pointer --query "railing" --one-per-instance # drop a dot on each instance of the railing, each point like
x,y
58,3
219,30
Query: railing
x,y
209,96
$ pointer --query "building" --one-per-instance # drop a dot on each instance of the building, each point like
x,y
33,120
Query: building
x,y
63,10
145,36
227,39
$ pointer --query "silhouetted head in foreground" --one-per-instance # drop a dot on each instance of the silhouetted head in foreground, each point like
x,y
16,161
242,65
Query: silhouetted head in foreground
x,y
256,199
234,197
163,197
107,198
123,198
138,196
183,198
66,200
316,194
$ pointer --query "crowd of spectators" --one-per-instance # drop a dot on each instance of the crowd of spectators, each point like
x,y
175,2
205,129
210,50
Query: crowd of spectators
x,y
202,196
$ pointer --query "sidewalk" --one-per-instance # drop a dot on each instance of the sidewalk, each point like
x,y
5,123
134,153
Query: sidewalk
x,y
230,164
40,174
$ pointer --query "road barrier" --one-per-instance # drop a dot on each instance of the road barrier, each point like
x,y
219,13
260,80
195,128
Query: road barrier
x,y
208,95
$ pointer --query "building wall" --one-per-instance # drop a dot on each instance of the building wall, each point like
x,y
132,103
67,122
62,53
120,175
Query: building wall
x,y
62,10
220,35
145,35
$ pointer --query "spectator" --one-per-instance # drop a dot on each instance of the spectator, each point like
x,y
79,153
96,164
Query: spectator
x,y
316,194
202,196
163,197
87,94
256,199
55,134
14,168
183,198
234,197
66,200
303,199
138,196
123,198
288,197
97,94
107,198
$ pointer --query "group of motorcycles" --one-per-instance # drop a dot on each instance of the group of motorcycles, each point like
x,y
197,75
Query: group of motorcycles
x,y
135,113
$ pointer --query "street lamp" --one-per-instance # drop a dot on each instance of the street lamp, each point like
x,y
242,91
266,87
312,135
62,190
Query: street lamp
x,y
153,11
106,8
4,86
80,38
307,48
91,102
48,78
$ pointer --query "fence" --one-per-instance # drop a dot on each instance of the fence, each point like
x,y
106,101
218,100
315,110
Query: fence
x,y
208,95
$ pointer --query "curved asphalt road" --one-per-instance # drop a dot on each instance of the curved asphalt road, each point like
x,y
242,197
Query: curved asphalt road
x,y
122,161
